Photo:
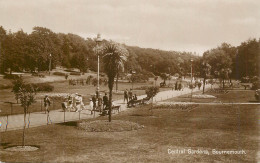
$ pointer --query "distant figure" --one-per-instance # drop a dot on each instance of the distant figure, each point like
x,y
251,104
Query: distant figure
x,y
135,97
99,105
47,103
126,96
94,100
179,86
105,101
199,85
130,94
91,105
176,86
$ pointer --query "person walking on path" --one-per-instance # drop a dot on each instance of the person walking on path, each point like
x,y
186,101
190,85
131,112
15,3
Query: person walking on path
x,y
126,96
99,105
91,105
94,100
130,94
179,86
105,101
47,103
176,86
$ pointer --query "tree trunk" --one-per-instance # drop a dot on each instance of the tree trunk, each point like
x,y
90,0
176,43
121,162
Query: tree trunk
x,y
24,127
110,105
117,81
204,80
110,86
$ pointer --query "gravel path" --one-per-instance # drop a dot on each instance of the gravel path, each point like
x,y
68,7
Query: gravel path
x,y
58,116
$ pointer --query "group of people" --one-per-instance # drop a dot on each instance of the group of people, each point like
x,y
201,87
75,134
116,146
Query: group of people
x,y
178,86
73,103
128,96
98,103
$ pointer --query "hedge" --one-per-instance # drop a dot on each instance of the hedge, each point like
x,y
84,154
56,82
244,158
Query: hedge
x,y
42,87
59,73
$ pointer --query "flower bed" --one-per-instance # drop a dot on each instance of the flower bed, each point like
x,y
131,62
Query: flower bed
x,y
105,126
203,96
175,105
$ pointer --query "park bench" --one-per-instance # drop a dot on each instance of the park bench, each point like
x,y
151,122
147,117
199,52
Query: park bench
x,y
146,100
134,103
114,108
246,85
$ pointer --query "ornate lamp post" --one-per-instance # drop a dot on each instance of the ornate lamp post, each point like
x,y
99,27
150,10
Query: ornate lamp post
x,y
98,41
50,66
191,80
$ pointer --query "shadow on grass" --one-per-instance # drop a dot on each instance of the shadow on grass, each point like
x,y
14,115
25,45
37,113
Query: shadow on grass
x,y
140,115
254,101
73,123
4,144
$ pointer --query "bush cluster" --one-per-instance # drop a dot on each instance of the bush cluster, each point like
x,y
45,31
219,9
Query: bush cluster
x,y
59,73
75,73
10,76
41,87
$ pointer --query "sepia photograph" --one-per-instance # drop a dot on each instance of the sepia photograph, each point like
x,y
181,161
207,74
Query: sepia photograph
x,y
114,81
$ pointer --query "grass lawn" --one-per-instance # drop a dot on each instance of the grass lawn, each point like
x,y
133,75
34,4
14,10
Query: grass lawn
x,y
206,128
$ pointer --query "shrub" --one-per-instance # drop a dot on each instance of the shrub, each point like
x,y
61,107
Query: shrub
x,y
41,87
59,74
75,73
10,76
141,88
5,86
152,91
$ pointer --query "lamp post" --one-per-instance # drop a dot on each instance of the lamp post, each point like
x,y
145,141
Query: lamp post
x,y
50,66
191,80
98,41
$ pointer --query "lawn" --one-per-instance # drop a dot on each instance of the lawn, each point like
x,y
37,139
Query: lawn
x,y
220,127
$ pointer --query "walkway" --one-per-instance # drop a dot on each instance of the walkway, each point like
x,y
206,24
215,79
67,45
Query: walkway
x,y
14,122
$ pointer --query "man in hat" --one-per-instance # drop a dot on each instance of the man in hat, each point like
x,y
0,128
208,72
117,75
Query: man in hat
x,y
105,101
100,103
47,103
91,105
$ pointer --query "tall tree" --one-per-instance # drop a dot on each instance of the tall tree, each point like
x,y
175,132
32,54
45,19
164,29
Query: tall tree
x,y
114,55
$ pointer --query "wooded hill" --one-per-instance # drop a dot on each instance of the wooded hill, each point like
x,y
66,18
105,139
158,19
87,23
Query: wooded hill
x,y
31,52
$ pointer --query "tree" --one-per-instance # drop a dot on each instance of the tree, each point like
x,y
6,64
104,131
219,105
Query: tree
x,y
151,91
164,77
27,98
205,72
219,61
17,84
114,55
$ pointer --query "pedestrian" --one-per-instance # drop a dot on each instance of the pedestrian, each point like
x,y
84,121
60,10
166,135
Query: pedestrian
x,y
94,100
126,96
199,85
105,101
130,94
99,105
91,105
176,86
179,86
135,97
47,103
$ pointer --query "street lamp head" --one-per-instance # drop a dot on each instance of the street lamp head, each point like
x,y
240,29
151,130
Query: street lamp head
x,y
98,38
50,55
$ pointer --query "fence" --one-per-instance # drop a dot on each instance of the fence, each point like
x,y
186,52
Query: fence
x,y
10,108
40,118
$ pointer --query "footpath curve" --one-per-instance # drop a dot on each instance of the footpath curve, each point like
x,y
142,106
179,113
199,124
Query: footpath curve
x,y
15,122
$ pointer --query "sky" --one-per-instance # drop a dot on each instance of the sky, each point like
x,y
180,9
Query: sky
x,y
178,25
